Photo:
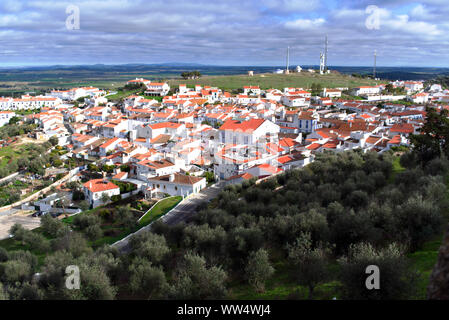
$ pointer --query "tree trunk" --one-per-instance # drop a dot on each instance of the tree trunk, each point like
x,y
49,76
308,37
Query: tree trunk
x,y
311,292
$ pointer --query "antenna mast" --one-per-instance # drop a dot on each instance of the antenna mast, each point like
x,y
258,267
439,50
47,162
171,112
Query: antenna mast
x,y
325,54
374,69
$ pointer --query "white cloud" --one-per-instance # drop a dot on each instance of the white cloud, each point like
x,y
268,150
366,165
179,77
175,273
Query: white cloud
x,y
291,5
403,23
420,11
305,24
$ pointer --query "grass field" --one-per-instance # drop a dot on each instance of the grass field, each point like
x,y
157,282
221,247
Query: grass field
x,y
121,94
161,208
424,260
13,152
279,81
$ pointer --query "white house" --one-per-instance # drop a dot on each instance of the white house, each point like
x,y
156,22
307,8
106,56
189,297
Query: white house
x,y
175,184
94,190
251,90
366,90
5,116
153,130
422,97
28,102
413,85
146,169
157,88
295,101
331,93
247,132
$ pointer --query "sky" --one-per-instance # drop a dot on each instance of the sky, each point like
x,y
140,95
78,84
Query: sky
x,y
224,32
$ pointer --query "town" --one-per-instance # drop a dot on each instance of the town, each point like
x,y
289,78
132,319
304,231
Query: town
x,y
194,137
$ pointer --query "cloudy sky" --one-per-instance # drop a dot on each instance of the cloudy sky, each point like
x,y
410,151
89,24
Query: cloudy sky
x,y
224,32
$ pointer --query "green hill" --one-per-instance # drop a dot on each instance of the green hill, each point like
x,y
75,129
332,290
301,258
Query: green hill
x,y
279,81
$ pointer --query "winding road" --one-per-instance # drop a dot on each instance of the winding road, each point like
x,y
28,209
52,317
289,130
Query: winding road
x,y
181,213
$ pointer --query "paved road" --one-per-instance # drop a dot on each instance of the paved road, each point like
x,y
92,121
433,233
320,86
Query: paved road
x,y
182,213
10,212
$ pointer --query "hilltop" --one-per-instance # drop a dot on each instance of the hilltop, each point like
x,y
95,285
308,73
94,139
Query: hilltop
x,y
271,80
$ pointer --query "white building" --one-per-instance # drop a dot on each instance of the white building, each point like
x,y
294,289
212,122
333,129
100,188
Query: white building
x,y
146,169
366,90
157,88
76,93
28,102
251,90
413,85
331,93
175,184
247,132
94,190
5,116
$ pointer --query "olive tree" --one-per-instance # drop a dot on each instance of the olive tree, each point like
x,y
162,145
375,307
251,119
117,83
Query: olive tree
x,y
258,269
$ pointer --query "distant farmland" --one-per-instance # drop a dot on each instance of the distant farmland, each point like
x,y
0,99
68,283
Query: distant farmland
x,y
16,81
226,82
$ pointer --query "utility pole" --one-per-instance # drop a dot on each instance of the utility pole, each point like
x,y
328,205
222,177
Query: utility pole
x,y
288,60
374,69
325,54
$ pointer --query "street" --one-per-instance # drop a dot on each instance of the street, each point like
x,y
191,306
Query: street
x,y
182,213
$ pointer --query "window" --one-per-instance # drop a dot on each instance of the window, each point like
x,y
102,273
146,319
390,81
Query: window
x,y
176,188
245,139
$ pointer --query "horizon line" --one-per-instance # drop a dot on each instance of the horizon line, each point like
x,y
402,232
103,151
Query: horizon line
x,y
191,64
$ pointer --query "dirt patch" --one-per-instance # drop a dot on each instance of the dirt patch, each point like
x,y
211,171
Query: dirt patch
x,y
27,221
24,140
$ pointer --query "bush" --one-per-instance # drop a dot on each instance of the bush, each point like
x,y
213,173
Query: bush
x,y
116,198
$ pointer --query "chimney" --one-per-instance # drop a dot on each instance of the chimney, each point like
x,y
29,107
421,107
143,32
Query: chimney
x,y
90,185
171,177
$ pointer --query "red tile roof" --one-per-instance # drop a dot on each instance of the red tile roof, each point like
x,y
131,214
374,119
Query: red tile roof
x,y
100,185
244,126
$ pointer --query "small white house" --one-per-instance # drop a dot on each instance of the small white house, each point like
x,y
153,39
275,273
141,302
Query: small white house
x,y
5,116
331,93
94,190
175,184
